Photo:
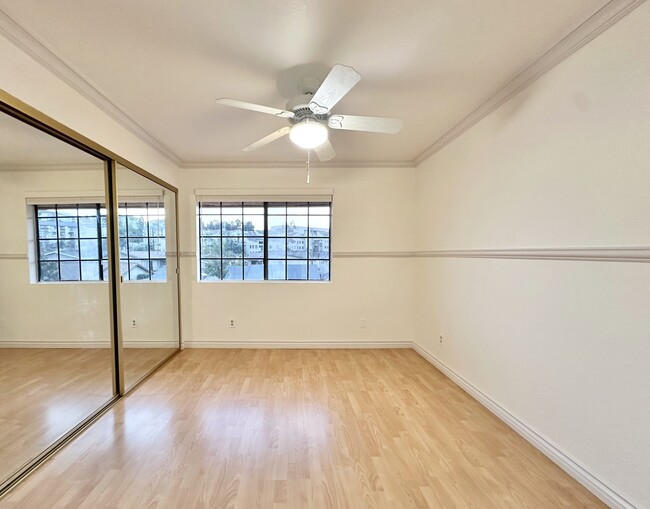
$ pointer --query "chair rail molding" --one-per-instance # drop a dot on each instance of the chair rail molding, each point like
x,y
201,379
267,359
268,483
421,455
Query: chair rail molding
x,y
588,254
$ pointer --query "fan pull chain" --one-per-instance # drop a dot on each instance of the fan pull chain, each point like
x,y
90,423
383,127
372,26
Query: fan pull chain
x,y
308,161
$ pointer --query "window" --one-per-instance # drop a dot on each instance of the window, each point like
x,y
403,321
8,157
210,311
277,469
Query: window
x,y
71,242
264,241
142,241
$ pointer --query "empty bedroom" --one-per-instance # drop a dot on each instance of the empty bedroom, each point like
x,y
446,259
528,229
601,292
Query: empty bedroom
x,y
325,254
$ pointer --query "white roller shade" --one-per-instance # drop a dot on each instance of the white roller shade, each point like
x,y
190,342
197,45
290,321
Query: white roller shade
x,y
85,197
265,195
64,197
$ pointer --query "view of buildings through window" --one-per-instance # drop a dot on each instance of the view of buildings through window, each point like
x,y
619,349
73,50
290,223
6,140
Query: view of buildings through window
x,y
264,241
71,242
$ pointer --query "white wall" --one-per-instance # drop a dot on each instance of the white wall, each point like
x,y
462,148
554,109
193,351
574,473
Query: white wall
x,y
63,313
564,346
73,313
371,214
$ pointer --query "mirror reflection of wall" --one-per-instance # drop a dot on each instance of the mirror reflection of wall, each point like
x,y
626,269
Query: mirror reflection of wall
x,y
56,364
148,263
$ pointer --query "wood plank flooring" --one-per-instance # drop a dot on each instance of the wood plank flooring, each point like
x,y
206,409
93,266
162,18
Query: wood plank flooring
x,y
282,429
44,392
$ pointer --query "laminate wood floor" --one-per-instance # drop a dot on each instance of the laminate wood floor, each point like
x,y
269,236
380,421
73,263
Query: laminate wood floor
x,y
44,392
277,429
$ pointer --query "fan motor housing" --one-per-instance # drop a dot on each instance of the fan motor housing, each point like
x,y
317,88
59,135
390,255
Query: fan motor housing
x,y
300,107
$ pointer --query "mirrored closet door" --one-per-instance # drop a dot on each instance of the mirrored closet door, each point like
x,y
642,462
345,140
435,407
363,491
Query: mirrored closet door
x,y
148,269
89,303
56,359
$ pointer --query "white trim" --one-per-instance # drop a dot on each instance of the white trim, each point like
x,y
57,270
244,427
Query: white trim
x,y
40,51
296,344
150,344
86,344
13,256
588,254
55,344
570,465
199,165
373,254
639,254
591,28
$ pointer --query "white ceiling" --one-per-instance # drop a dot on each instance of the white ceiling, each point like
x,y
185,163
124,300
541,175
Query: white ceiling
x,y
164,62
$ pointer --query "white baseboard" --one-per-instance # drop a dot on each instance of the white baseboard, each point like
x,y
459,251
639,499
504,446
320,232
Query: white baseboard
x,y
297,344
86,344
55,344
553,452
150,344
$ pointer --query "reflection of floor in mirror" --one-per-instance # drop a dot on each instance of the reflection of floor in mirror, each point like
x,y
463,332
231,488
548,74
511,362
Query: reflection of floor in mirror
x,y
299,428
46,391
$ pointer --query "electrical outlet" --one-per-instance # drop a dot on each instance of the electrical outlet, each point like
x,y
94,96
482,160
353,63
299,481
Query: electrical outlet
x,y
442,340
363,323
134,323
231,323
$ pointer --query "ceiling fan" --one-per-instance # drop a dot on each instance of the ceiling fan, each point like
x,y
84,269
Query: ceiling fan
x,y
310,114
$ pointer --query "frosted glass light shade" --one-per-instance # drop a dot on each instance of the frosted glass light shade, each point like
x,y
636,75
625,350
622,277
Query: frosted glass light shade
x,y
308,134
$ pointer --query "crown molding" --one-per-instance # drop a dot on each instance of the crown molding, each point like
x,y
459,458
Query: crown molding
x,y
595,25
43,54
294,164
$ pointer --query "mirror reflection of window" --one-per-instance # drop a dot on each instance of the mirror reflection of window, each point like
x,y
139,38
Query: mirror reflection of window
x,y
55,355
148,263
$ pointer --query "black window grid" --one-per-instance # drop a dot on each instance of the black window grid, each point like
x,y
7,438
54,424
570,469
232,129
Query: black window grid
x,y
57,239
100,237
126,256
207,209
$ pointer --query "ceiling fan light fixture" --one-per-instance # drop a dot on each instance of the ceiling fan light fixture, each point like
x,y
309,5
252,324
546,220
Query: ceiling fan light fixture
x,y
308,134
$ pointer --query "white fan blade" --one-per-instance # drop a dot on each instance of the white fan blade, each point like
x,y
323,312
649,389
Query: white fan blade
x,y
339,82
371,124
225,101
267,139
325,152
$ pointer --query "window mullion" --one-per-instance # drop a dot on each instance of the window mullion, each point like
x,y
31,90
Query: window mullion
x,y
307,242
266,240
58,247
221,275
38,244
98,216
243,245
148,243
79,244
126,230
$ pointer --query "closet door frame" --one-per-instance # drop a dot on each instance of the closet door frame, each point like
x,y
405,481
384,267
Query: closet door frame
x,y
16,108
